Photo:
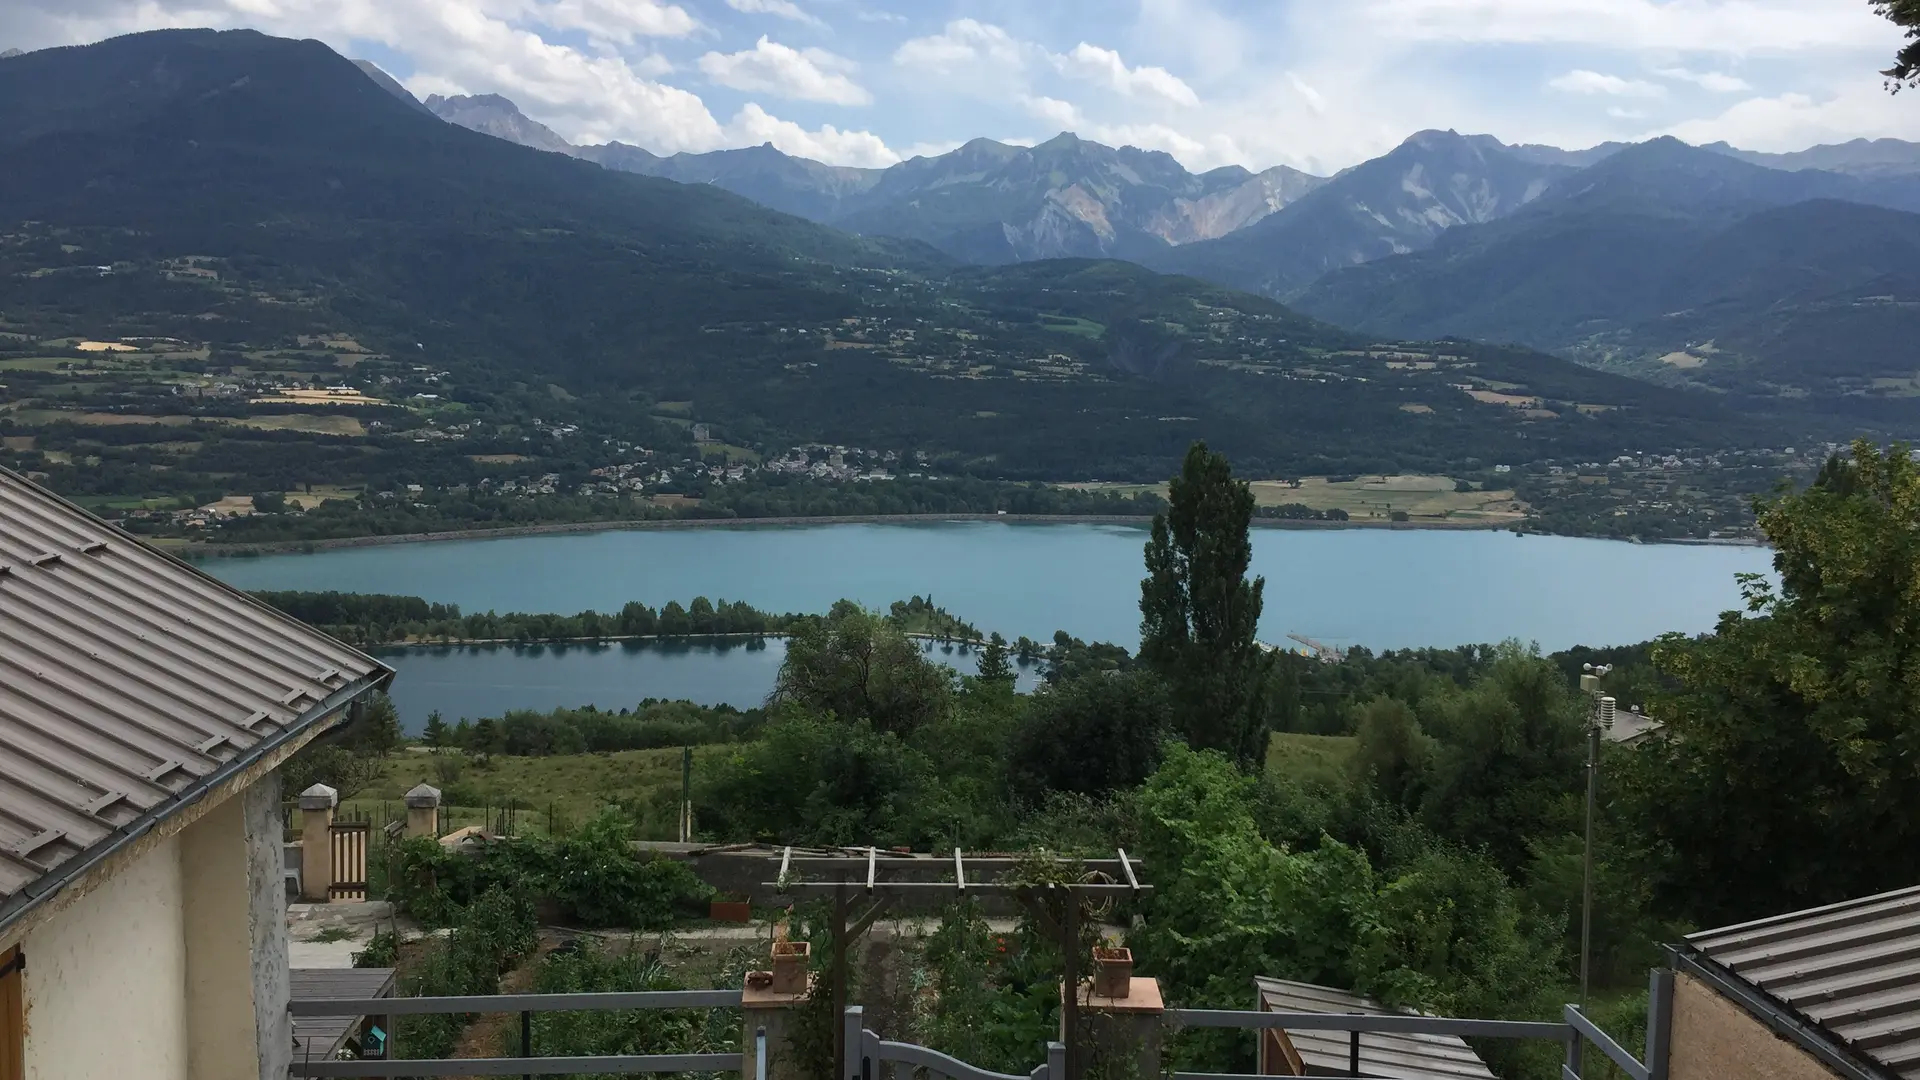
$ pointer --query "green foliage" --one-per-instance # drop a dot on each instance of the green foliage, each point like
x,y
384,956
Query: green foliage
x,y
1790,771
1906,64
1199,614
991,1000
489,937
383,950
993,665
815,780
1091,735
1509,757
592,875
1429,927
855,665
586,967
1394,754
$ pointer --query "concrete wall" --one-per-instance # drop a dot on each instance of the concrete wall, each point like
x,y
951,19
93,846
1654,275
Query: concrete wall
x,y
104,979
174,966
222,1043
267,918
1715,1039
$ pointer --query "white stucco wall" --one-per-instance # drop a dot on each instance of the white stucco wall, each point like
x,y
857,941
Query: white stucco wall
x,y
105,979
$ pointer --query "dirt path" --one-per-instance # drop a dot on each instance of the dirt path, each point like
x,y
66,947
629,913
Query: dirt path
x,y
496,1035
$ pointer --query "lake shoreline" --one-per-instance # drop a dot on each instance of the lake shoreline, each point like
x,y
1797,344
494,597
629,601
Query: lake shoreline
x,y
283,547
741,637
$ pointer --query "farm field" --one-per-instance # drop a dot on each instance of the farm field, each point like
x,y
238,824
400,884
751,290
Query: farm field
x,y
1370,497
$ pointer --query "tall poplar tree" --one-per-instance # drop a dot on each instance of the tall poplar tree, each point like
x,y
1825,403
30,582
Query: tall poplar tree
x,y
1199,613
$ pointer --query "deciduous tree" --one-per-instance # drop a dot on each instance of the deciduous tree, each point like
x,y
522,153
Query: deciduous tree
x,y
1789,774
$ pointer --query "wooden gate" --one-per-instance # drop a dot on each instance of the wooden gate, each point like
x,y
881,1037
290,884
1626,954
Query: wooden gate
x,y
349,842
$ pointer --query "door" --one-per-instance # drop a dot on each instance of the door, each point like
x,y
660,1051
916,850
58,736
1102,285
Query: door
x,y
13,1026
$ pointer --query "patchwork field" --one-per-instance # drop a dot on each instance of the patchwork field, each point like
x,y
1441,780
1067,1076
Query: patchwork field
x,y
1370,497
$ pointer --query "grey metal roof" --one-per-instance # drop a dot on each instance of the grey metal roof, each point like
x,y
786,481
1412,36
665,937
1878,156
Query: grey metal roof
x,y
130,683
1851,969
319,1038
1402,1056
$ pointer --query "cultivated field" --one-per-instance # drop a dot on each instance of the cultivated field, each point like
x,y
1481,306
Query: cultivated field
x,y
1370,498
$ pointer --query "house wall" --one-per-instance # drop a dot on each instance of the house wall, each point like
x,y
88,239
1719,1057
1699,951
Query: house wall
x,y
272,975
1715,1039
175,965
104,979
217,924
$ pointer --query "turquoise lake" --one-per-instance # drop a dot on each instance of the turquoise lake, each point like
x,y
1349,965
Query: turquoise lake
x,y
1378,588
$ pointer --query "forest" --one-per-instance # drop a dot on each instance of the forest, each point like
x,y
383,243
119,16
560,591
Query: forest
x,y
1433,861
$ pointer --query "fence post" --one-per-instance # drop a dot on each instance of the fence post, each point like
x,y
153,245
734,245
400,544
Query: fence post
x,y
526,1037
1353,1052
316,842
1575,1046
1056,1061
423,811
853,1022
1659,1023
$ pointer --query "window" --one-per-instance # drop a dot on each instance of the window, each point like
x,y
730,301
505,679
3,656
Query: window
x,y
12,1017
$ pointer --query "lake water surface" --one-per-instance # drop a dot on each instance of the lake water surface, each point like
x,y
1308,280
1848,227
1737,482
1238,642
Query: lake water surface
x,y
1379,588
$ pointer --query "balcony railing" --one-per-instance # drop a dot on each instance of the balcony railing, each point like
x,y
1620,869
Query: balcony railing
x,y
749,1063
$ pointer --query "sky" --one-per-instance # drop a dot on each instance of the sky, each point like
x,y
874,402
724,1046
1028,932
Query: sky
x,y
1315,84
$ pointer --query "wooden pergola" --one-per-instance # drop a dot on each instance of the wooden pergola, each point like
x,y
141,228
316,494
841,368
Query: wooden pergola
x,y
1054,904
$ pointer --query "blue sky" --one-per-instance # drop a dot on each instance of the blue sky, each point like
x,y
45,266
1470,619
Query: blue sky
x,y
1316,84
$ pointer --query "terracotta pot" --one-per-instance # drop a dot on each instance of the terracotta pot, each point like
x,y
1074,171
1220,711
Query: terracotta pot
x,y
730,911
1112,972
790,966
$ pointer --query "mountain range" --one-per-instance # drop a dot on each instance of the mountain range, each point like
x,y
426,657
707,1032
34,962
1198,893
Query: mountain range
x,y
243,190
1605,255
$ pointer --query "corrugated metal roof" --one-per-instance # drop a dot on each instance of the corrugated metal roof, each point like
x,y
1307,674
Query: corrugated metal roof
x,y
1851,969
1402,1056
129,683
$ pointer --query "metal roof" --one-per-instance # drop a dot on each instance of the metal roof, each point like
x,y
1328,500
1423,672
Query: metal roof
x,y
1850,969
1401,1056
131,683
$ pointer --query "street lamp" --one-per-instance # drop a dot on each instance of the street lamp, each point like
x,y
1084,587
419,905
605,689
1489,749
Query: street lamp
x,y
1598,719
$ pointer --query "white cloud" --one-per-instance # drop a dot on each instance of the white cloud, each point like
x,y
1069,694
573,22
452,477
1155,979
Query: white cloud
x,y
1619,113
614,20
1592,82
963,43
1717,82
874,15
1105,66
773,68
1714,26
1795,121
752,125
784,9
1307,93
1057,114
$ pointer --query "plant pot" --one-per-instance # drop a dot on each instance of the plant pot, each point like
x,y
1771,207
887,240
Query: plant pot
x,y
790,966
730,911
1112,972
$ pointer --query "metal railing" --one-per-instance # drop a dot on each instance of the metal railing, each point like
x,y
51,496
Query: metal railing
x,y
528,1065
1574,1031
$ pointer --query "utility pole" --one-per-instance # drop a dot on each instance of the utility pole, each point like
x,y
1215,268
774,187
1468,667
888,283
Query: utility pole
x,y
1600,716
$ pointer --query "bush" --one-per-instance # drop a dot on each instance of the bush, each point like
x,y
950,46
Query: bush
x,y
592,875
492,934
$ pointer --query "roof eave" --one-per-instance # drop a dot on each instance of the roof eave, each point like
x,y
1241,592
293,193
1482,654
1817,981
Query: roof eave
x,y
35,895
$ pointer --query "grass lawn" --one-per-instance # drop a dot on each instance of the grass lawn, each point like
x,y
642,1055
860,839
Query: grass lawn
x,y
1311,757
1066,324
574,786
